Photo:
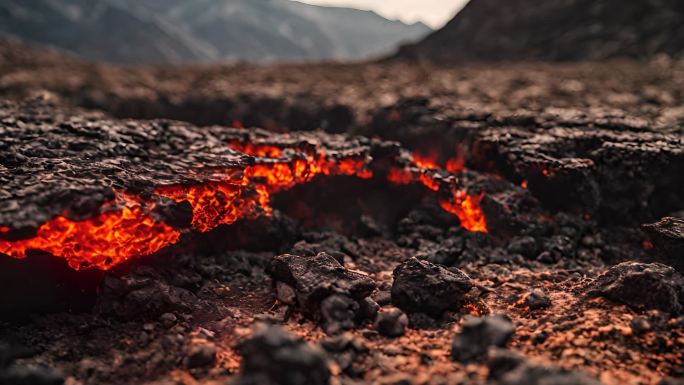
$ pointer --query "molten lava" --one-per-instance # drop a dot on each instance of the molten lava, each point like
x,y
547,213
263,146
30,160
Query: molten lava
x,y
466,207
122,231
222,203
126,229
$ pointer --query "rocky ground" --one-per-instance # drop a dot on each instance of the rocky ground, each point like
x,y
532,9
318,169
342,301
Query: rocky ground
x,y
575,282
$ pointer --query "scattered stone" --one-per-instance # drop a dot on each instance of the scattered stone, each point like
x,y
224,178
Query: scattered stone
x,y
168,320
640,325
479,334
537,299
391,323
368,309
501,361
274,357
338,313
30,375
315,278
540,337
345,349
642,286
525,246
528,374
200,356
142,295
423,287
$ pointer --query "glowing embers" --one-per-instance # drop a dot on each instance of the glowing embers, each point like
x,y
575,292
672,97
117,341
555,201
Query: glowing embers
x,y
122,231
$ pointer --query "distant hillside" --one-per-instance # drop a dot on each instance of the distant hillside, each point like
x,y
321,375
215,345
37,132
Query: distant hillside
x,y
496,30
191,31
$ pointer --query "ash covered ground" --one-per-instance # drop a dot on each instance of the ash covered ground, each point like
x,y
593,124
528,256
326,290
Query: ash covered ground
x,y
577,281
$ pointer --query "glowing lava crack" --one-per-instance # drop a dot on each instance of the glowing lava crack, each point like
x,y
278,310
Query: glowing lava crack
x,y
126,228
224,174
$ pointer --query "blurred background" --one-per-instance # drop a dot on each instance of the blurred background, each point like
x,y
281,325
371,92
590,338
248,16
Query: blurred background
x,y
223,31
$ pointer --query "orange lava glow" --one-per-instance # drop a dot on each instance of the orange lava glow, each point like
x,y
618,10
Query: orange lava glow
x,y
125,228
425,161
222,203
466,207
113,237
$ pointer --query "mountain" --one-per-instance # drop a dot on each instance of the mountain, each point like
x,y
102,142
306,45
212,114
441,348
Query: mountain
x,y
568,30
200,31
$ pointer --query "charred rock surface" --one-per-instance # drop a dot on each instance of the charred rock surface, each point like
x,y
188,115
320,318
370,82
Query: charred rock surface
x,y
423,287
604,168
160,319
323,288
643,286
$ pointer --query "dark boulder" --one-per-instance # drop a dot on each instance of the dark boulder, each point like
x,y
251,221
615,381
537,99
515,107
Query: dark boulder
x,y
642,286
391,323
423,287
274,357
479,334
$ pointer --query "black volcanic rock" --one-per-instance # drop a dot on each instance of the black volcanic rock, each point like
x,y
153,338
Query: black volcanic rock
x,y
493,30
315,278
617,170
642,286
423,287
203,31
529,374
391,323
479,334
274,357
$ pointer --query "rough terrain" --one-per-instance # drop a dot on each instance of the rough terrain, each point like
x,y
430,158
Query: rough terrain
x,y
580,168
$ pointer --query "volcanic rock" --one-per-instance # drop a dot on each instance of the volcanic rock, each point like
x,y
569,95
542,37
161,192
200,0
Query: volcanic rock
x,y
537,299
613,172
668,238
529,374
318,277
274,357
423,287
479,334
200,356
338,313
391,323
501,361
345,350
642,286
142,294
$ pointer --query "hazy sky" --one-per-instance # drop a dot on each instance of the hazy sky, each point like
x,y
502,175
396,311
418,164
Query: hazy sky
x,y
435,13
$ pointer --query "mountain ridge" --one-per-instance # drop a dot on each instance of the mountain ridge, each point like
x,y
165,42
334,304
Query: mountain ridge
x,y
555,30
204,31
